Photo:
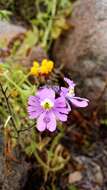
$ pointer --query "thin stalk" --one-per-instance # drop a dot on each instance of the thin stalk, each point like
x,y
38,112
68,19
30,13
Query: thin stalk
x,y
9,108
41,162
24,79
49,27
7,121
26,129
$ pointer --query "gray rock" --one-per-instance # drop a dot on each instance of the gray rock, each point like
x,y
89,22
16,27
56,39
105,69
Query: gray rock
x,y
83,50
13,175
8,31
92,175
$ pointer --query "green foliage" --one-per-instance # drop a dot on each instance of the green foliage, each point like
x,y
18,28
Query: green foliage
x,y
5,15
72,187
104,122
19,90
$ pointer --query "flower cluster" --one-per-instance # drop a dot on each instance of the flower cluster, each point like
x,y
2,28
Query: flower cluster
x,y
44,68
47,108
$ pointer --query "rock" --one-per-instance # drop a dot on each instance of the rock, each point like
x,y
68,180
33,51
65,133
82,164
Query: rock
x,y
98,176
74,177
8,31
92,175
13,175
83,51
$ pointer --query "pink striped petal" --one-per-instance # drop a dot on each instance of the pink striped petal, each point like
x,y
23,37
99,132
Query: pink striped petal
x,y
79,102
61,117
61,110
46,93
33,100
60,102
41,125
51,125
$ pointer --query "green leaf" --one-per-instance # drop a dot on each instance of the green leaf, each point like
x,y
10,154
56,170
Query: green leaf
x,y
72,187
5,15
56,32
104,122
31,37
59,25
30,149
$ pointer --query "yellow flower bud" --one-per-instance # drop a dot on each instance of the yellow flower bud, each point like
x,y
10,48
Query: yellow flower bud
x,y
50,65
46,66
35,69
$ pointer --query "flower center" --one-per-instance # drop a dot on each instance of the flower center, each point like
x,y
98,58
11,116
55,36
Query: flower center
x,y
47,104
71,92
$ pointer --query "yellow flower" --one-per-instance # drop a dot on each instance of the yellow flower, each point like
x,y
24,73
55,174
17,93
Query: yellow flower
x,y
46,66
35,69
43,69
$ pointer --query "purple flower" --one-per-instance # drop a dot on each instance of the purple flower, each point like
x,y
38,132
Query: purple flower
x,y
69,94
46,109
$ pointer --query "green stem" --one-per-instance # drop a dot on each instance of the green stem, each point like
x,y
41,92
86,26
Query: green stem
x,y
24,79
55,141
40,161
46,167
49,27
12,82
9,108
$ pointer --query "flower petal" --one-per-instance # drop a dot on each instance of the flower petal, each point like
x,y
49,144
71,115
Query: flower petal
x,y
34,108
41,124
79,102
68,105
60,102
62,105
64,91
51,125
34,111
46,93
62,110
69,82
33,100
61,116
33,115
